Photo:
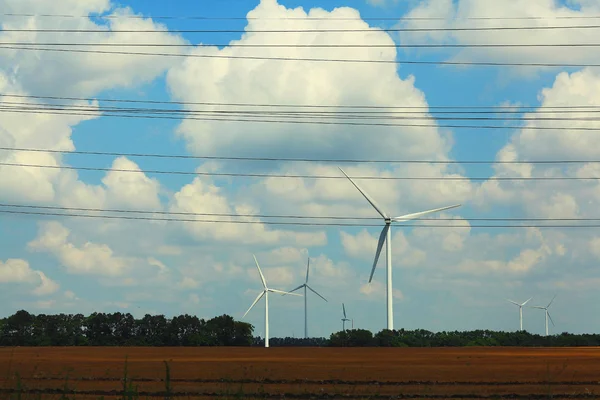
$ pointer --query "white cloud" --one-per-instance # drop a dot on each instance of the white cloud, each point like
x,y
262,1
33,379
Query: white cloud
x,y
377,290
534,13
19,271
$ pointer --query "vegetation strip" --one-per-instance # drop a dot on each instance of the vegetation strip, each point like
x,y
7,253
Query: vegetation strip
x,y
326,382
163,394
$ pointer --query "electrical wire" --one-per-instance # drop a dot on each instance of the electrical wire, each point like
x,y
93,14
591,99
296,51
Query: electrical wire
x,y
299,176
285,223
223,158
354,30
296,59
307,18
282,216
365,106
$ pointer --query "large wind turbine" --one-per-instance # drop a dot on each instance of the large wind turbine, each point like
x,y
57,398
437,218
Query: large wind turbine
x,y
345,318
520,310
386,236
305,286
265,292
547,313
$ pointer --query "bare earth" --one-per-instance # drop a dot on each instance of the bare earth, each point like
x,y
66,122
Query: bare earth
x,y
307,372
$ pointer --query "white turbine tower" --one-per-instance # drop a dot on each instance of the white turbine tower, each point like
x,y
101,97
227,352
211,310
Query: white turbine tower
x,y
345,318
520,311
265,292
386,236
547,313
305,286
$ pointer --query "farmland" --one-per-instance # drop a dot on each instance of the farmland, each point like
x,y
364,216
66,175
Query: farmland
x,y
96,372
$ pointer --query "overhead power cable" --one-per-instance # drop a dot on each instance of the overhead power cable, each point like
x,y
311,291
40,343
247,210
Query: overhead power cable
x,y
284,223
339,30
290,120
311,45
338,60
307,18
366,106
158,212
224,158
302,176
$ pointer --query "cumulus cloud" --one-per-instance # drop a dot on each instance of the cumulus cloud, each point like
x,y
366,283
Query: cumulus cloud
x,y
18,271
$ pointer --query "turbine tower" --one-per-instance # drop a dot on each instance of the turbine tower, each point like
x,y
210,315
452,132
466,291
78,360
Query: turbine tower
x,y
386,236
547,313
305,286
520,311
265,292
345,318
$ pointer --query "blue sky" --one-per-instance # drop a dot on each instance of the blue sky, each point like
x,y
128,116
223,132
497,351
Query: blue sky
x,y
446,278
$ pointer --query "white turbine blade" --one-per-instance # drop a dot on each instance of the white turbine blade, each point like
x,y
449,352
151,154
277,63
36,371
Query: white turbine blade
x,y
261,294
366,196
299,287
551,319
541,308
307,269
382,237
344,309
526,302
284,293
548,306
514,302
315,292
408,217
260,272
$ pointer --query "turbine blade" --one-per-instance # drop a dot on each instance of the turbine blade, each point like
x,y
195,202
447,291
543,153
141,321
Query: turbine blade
x,y
526,302
551,319
551,301
408,217
307,269
541,308
315,292
382,237
260,272
514,302
344,309
284,293
261,294
366,196
299,287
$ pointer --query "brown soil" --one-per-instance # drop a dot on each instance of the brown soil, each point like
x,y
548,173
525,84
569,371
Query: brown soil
x,y
337,372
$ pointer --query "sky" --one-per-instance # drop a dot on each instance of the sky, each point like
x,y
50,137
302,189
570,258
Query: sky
x,y
457,277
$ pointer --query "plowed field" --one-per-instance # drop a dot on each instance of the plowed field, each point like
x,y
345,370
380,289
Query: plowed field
x,y
251,373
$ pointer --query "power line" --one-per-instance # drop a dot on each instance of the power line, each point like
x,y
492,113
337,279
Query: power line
x,y
366,106
285,223
338,60
297,121
281,216
223,158
307,18
312,45
355,115
237,174
355,30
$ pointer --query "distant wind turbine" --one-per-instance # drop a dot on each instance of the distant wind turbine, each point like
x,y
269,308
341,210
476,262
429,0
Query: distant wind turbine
x,y
345,318
386,236
520,310
547,313
265,292
305,286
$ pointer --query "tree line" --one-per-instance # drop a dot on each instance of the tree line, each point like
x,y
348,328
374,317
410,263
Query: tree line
x,y
122,329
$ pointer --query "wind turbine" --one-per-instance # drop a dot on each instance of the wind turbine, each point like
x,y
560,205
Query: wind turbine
x,y
265,292
386,236
520,310
305,286
345,318
547,313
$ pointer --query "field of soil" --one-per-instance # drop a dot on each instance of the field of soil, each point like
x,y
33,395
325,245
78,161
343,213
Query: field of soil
x,y
302,373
